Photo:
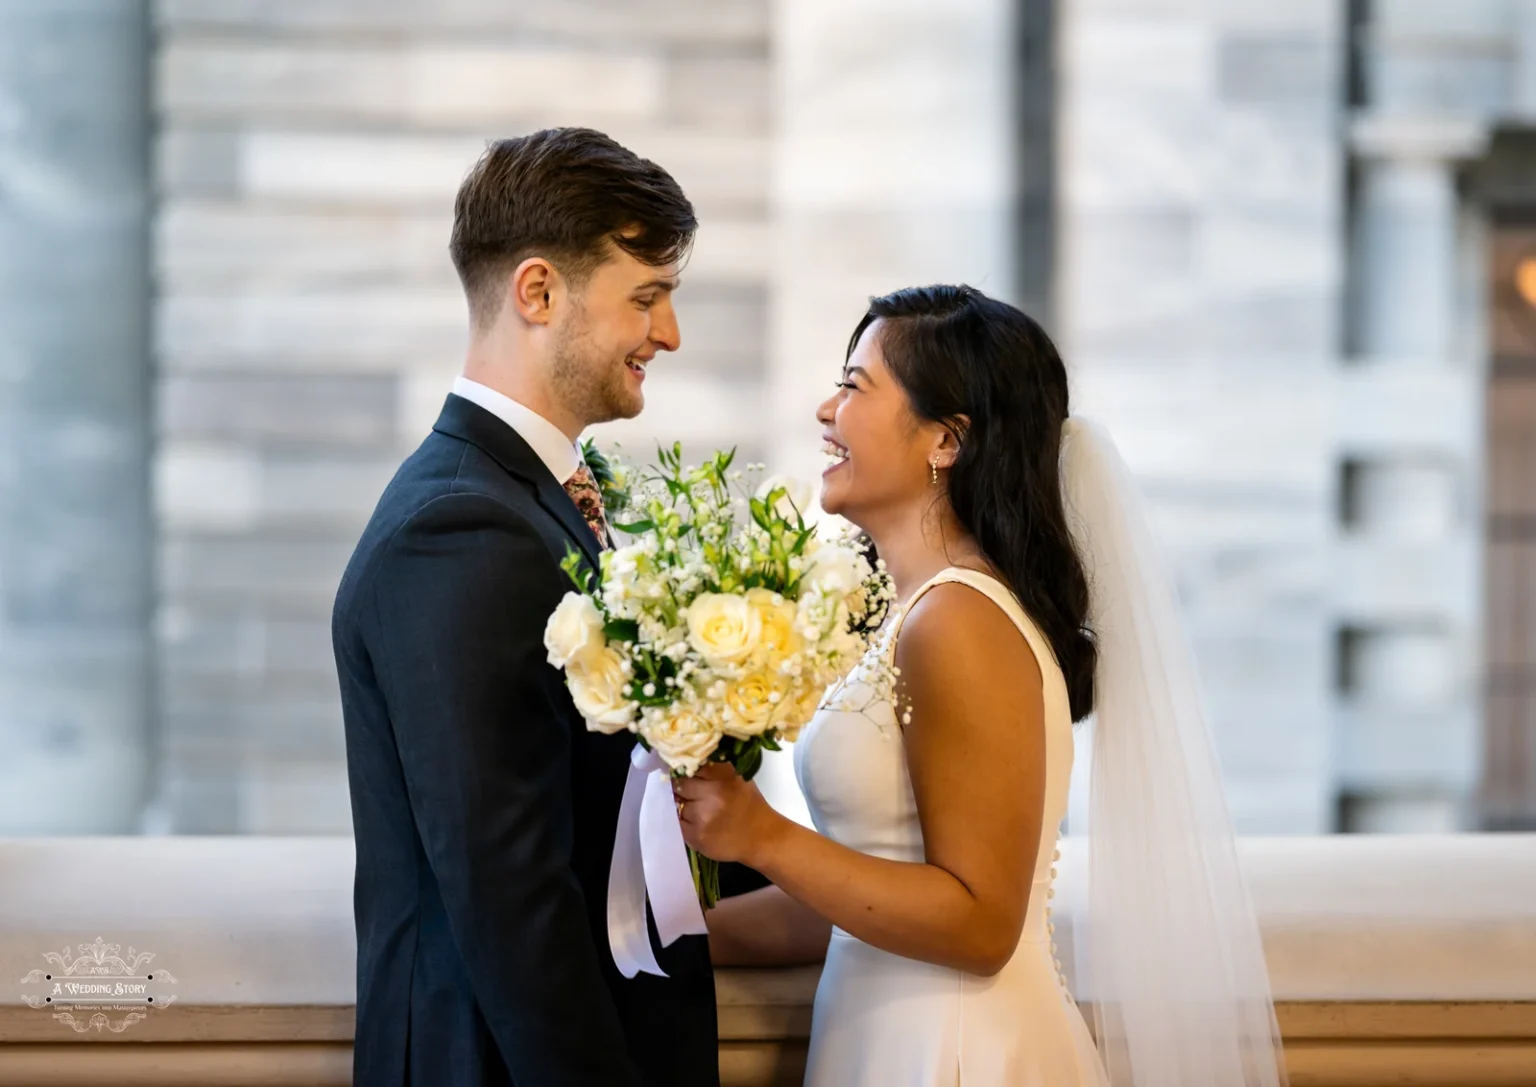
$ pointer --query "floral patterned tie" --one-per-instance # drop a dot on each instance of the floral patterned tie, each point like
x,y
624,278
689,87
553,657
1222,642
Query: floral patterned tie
x,y
583,489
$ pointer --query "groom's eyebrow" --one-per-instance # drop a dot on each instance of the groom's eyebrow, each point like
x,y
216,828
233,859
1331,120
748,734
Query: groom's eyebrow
x,y
670,283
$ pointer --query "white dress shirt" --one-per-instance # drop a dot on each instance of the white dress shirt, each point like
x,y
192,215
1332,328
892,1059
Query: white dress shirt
x,y
558,452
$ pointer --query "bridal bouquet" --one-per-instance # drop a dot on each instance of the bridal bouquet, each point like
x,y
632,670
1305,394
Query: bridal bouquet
x,y
714,634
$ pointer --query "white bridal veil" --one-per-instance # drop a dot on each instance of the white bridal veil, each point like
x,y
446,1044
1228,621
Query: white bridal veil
x,y
1168,948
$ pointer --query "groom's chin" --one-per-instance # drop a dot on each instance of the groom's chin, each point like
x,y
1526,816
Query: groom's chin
x,y
621,403
633,405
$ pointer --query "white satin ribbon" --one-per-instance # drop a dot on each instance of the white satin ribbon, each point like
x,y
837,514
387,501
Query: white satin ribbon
x,y
650,860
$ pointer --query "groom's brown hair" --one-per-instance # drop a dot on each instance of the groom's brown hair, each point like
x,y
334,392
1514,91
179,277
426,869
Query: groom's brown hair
x,y
566,194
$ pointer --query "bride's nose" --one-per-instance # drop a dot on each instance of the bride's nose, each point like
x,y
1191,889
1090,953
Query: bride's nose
x,y
827,410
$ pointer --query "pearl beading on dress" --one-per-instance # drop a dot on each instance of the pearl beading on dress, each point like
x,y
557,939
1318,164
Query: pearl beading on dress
x,y
1050,926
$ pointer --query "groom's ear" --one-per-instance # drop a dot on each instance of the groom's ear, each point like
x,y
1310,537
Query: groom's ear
x,y
530,290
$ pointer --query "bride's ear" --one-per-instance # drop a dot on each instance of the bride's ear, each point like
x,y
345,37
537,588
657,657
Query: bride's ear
x,y
951,437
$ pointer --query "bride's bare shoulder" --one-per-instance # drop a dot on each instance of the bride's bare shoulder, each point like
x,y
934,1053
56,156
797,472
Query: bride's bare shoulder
x,y
955,633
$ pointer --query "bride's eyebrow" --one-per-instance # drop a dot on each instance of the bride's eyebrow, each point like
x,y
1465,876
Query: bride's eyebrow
x,y
850,371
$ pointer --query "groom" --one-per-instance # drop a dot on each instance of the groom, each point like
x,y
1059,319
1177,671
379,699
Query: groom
x,y
484,811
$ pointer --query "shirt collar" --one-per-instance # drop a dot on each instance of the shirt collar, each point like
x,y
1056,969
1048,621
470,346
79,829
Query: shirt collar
x,y
548,441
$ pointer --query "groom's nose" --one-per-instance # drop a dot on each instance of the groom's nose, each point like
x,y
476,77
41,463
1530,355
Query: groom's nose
x,y
664,331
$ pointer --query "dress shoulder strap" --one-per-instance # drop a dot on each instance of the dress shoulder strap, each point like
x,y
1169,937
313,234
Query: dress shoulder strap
x,y
989,587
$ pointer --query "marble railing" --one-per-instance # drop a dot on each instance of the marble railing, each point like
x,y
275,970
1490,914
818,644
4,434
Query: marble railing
x,y
1407,961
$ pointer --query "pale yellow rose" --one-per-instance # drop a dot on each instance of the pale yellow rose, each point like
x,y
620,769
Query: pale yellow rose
x,y
779,638
600,690
576,627
756,701
682,738
806,699
723,627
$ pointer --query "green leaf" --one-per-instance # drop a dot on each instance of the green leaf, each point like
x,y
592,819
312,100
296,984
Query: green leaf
x,y
573,565
634,528
750,762
621,630
602,468
769,743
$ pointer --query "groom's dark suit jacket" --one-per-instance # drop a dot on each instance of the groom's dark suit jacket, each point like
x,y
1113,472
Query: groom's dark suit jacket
x,y
483,809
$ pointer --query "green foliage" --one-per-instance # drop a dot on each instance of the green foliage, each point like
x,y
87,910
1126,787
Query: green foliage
x,y
576,569
610,478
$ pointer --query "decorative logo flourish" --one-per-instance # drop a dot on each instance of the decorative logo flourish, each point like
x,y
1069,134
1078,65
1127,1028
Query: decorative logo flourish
x,y
83,988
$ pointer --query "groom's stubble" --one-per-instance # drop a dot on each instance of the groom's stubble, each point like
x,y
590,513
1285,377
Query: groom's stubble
x,y
585,378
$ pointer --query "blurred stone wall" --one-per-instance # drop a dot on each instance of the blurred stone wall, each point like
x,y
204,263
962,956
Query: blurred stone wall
x,y
75,533
308,321
1437,80
1246,222
1201,269
1273,273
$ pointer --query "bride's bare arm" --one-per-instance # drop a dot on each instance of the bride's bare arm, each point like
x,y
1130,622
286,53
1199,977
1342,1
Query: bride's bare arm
x,y
976,754
766,928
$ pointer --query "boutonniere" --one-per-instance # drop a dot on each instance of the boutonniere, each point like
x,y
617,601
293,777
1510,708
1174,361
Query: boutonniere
x,y
611,476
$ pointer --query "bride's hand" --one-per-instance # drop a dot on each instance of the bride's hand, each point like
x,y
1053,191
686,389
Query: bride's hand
x,y
723,817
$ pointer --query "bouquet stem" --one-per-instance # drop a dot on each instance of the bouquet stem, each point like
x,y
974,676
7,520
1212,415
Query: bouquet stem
x,y
746,758
706,878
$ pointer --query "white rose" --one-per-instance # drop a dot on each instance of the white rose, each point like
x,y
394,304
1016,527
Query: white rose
x,y
682,738
575,628
794,502
837,568
723,628
599,688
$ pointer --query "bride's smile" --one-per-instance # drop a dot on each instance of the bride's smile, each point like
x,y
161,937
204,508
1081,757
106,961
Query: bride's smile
x,y
837,456
880,455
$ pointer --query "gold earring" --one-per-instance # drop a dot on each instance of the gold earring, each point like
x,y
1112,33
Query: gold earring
x,y
933,471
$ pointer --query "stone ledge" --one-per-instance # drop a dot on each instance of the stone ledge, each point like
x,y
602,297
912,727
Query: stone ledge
x,y
764,1027
1404,961
774,1005
268,921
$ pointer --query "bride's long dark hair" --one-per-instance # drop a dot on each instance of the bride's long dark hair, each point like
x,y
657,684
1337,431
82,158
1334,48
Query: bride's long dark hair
x,y
959,356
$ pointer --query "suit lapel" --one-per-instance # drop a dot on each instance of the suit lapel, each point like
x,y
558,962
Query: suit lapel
x,y
553,498
470,422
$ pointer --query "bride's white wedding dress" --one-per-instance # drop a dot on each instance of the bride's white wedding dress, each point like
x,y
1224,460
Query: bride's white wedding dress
x,y
885,1021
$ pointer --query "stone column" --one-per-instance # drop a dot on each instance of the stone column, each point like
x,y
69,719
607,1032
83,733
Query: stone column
x,y
1406,235
894,165
1407,564
74,407
1523,18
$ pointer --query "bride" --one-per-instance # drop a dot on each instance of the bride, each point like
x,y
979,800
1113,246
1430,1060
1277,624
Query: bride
x,y
1028,597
